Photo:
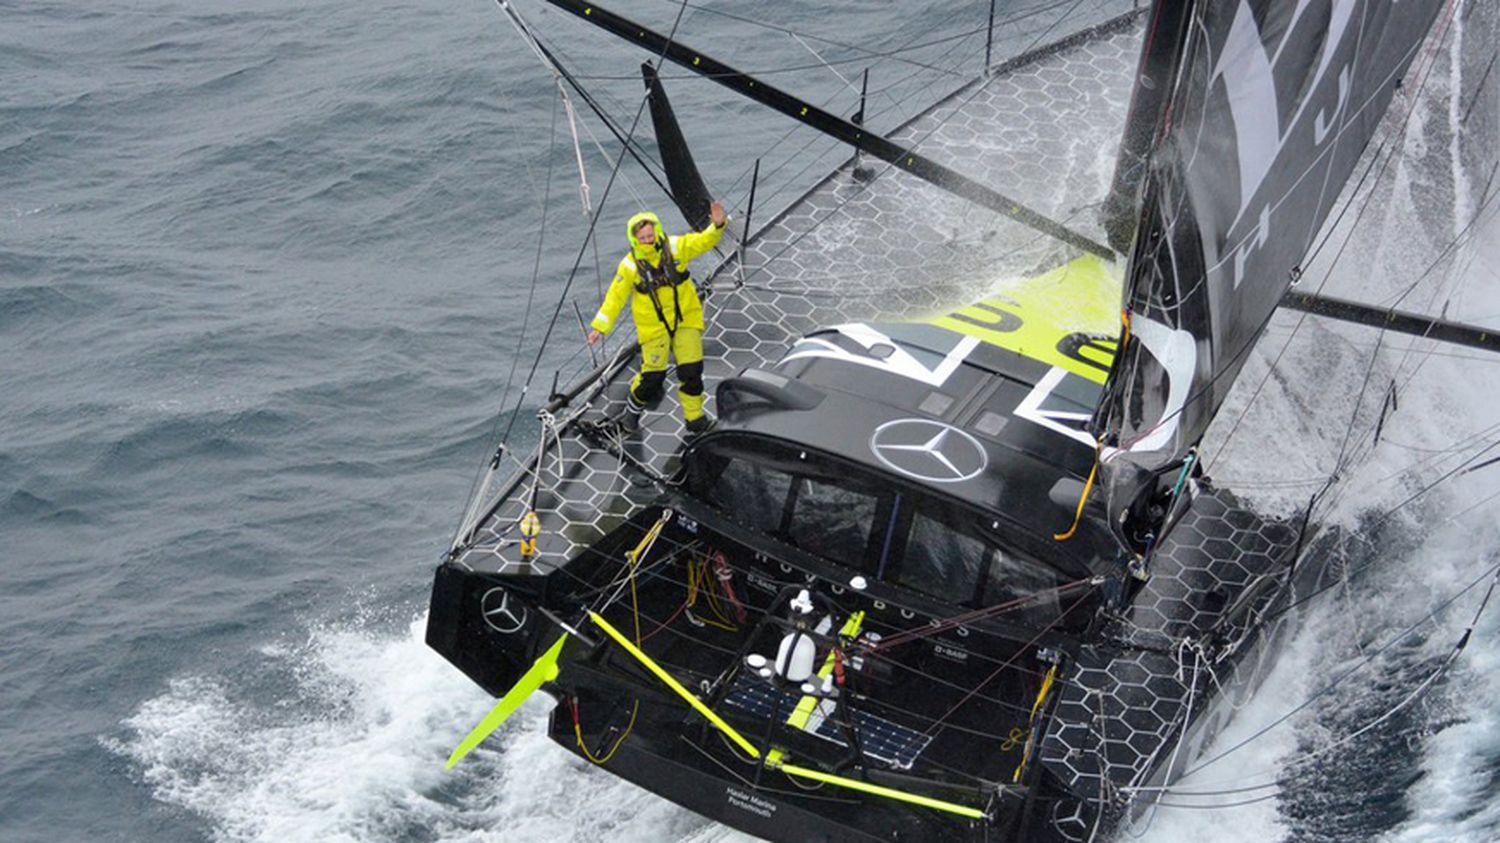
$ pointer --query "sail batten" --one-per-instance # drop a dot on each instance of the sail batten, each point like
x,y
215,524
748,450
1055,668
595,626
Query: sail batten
x,y
1273,104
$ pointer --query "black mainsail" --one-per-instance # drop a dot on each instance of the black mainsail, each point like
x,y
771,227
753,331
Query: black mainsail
x,y
1273,103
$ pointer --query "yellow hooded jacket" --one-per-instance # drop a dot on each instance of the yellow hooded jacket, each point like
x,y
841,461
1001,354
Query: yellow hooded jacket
x,y
623,288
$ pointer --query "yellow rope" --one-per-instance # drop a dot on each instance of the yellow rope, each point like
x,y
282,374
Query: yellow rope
x,y
635,555
692,588
1031,723
635,612
711,588
1082,499
578,733
1042,694
650,538
751,750
1098,446
676,686
701,571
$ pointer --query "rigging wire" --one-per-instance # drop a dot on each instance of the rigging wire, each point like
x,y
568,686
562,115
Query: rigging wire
x,y
1430,57
665,625
977,86
488,469
910,45
1350,573
551,56
1369,656
1076,3
485,475
1375,523
1447,252
867,52
659,570
963,98
960,57
1490,202
772,71
1007,663
1424,686
629,143
1461,468
593,222
536,271
1492,574
617,166
823,155
1377,348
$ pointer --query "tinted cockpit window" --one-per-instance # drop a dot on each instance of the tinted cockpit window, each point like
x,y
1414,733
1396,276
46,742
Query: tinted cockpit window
x,y
1014,579
799,499
831,521
754,493
947,557
942,561
843,514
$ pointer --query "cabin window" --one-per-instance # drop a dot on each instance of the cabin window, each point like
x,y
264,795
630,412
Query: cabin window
x,y
941,561
753,493
1011,578
805,506
947,557
831,511
831,521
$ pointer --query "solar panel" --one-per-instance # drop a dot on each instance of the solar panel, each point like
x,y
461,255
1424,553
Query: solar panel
x,y
879,739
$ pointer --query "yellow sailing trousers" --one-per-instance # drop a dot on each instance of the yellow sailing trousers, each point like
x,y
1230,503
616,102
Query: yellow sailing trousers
x,y
648,386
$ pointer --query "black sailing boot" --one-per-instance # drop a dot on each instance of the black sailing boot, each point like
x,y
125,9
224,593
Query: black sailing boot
x,y
700,425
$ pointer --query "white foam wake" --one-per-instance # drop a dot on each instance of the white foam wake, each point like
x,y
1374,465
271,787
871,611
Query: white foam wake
x,y
351,748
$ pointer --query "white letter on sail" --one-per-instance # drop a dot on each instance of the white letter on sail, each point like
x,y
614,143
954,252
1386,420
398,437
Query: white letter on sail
x,y
1178,354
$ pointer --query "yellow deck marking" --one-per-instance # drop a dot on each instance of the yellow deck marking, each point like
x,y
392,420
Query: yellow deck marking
x,y
1035,317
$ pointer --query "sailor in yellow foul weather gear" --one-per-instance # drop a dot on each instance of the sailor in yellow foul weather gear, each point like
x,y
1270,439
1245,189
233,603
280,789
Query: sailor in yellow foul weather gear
x,y
668,316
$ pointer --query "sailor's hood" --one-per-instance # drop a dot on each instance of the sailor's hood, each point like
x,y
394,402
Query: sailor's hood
x,y
639,250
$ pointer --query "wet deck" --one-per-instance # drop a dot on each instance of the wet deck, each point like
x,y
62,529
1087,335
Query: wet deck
x,y
1042,129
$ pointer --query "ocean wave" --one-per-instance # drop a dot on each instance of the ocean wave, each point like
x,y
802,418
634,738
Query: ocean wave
x,y
348,745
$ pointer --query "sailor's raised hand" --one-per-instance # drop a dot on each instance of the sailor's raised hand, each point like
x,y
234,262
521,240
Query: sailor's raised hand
x,y
594,336
716,214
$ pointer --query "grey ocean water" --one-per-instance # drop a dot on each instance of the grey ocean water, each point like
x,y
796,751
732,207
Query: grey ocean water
x,y
264,273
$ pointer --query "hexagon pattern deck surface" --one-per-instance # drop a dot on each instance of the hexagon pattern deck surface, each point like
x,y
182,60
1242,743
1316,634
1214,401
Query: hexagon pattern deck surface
x,y
1125,706
1044,132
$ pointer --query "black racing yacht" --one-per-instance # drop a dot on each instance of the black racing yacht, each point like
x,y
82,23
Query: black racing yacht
x,y
952,577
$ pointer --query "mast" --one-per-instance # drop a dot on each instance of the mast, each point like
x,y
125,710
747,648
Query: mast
x,y
1155,75
1147,122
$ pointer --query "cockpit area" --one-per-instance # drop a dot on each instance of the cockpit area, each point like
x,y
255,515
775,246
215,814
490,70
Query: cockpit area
x,y
878,527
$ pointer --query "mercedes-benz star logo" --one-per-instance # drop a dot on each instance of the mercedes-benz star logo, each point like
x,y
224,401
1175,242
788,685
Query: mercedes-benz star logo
x,y
928,450
504,615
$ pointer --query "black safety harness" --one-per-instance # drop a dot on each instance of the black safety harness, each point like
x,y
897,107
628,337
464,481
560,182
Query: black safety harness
x,y
650,278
